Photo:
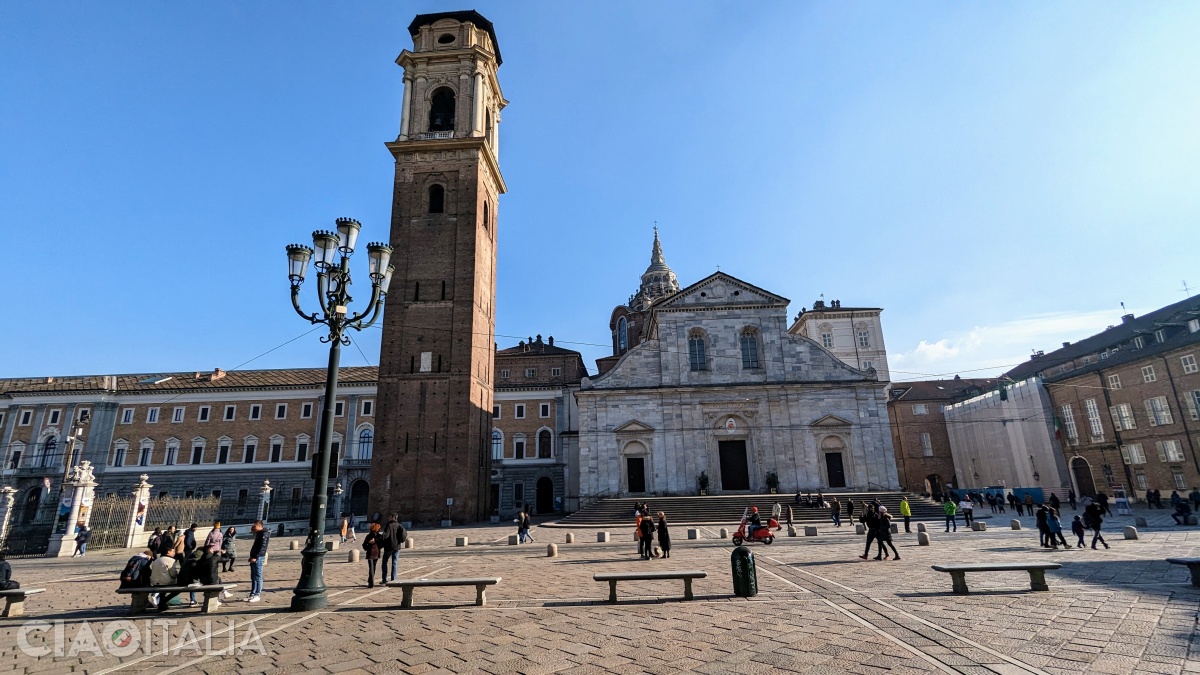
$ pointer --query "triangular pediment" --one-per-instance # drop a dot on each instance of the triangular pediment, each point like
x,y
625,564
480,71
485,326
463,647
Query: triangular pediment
x,y
720,289
831,421
633,427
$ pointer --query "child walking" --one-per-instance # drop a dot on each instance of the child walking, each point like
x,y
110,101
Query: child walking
x,y
1078,530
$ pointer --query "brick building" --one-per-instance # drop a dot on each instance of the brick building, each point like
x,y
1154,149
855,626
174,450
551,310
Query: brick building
x,y
535,426
919,436
1128,402
212,433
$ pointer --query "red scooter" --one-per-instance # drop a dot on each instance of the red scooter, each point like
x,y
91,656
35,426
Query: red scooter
x,y
764,534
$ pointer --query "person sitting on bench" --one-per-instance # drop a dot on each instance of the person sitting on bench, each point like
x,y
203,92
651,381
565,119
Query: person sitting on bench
x,y
6,580
1182,511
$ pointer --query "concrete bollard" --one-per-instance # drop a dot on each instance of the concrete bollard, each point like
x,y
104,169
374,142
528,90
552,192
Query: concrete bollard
x,y
810,531
860,529
409,543
1130,532
895,528
1192,520
570,537
724,533
332,545
978,526
551,550
1140,521
601,537
293,545
460,541
791,531
353,556
693,533
920,527
1015,524
513,540
922,539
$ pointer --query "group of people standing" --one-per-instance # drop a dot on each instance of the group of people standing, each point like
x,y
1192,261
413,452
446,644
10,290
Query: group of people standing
x,y
175,558
646,529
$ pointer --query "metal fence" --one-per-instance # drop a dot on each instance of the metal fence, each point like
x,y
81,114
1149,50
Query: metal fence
x,y
181,511
30,529
108,518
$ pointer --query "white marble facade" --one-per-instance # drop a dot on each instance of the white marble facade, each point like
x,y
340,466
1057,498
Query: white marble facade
x,y
655,421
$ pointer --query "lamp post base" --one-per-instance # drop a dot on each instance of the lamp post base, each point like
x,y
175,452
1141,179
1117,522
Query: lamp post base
x,y
310,590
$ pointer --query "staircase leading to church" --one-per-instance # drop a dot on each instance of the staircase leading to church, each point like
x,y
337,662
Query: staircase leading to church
x,y
727,509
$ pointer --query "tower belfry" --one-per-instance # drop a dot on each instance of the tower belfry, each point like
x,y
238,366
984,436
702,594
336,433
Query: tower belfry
x,y
435,365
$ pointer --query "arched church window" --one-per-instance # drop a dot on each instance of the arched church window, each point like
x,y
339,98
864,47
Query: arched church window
x,y
497,444
697,358
366,442
441,110
437,198
545,444
622,335
749,342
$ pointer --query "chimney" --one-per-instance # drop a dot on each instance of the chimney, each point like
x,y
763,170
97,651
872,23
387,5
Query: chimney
x,y
1126,318
1066,344
196,376
551,340
818,304
110,383
217,374
539,338
49,380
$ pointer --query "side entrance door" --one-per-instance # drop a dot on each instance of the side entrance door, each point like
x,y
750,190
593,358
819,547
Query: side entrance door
x,y
735,472
636,468
837,473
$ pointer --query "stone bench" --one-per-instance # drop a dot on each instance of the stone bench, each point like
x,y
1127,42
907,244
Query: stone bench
x,y
480,585
1193,565
14,600
1037,573
140,596
613,577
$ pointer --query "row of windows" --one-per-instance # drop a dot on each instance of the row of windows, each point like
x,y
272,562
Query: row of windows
x,y
1168,451
1177,478
53,417
698,349
529,372
519,411
862,334
123,455
517,449
1139,342
1158,413
204,412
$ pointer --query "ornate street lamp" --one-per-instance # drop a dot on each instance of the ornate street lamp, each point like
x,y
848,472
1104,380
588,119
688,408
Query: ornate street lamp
x,y
333,251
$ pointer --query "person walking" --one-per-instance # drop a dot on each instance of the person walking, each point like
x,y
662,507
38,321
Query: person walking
x,y
523,532
1055,502
870,520
968,512
777,511
394,536
950,509
789,515
189,540
345,528
1029,503
350,522
258,558
884,535
1043,526
1000,500
850,509
905,512
664,535
1016,504
1054,527
228,552
1077,530
1093,520
212,543
1071,499
371,545
81,540
647,533
835,512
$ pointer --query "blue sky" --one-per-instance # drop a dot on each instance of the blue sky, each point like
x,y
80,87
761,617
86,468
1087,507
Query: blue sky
x,y
998,177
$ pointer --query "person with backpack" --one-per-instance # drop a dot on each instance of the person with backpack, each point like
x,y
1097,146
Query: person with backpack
x,y
137,570
155,540
371,546
166,541
394,537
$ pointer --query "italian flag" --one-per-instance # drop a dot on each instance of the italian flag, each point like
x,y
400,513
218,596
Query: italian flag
x,y
1058,429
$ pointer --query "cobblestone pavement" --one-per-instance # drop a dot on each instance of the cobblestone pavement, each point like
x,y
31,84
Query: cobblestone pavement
x,y
820,609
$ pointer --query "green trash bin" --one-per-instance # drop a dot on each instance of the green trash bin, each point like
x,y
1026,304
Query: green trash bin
x,y
745,578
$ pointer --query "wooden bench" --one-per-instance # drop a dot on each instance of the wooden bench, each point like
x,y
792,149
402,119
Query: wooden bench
x,y
613,577
481,584
1193,565
14,600
1037,573
141,595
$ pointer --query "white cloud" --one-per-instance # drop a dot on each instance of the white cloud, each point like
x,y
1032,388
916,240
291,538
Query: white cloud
x,y
987,351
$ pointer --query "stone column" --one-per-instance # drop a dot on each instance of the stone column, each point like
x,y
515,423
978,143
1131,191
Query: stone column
x,y
405,112
460,104
137,514
477,109
264,500
6,503
82,485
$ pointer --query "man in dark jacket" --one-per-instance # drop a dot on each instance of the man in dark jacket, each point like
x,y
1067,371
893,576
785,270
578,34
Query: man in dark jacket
x,y
258,557
167,541
393,538
6,581
137,570
189,541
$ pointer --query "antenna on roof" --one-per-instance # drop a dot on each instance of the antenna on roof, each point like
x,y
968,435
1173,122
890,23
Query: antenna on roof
x,y
1123,308
1186,291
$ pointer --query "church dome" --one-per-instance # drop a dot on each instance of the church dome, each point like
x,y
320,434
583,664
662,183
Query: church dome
x,y
658,281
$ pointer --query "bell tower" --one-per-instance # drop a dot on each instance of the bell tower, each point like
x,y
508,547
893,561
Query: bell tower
x,y
434,414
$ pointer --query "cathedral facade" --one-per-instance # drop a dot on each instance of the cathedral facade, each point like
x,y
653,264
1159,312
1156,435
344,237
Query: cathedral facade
x,y
711,382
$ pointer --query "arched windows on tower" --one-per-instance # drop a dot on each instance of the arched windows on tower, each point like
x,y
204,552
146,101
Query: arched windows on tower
x,y
697,356
437,199
545,444
441,110
622,335
749,343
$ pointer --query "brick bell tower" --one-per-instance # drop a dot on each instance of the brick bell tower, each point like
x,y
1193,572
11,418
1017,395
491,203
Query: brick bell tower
x,y
435,364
